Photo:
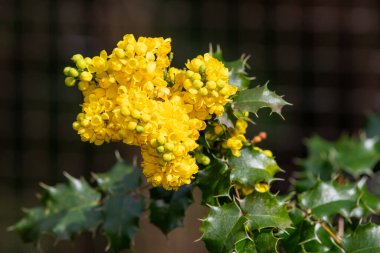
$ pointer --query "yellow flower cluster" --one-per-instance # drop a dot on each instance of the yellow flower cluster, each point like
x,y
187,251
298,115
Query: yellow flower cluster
x,y
206,85
237,139
133,95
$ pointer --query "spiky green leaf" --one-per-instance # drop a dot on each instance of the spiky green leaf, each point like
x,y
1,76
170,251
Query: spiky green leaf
x,y
167,208
251,100
122,177
237,72
67,210
266,242
252,167
263,210
121,214
222,228
365,239
325,200
356,156
214,181
246,245
237,69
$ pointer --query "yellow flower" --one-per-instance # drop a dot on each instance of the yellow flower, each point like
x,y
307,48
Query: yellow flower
x,y
207,87
168,174
134,96
237,139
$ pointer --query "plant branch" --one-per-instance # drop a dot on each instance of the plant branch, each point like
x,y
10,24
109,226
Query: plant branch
x,y
336,238
340,226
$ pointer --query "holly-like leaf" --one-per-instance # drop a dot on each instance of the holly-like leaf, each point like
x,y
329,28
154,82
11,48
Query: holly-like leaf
x,y
67,210
214,181
356,156
121,215
266,242
167,208
365,239
237,72
245,245
237,69
122,177
252,167
32,225
373,126
325,200
261,242
228,117
222,228
370,202
251,100
264,211
317,161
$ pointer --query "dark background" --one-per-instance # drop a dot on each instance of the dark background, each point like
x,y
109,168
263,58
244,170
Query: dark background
x,y
324,56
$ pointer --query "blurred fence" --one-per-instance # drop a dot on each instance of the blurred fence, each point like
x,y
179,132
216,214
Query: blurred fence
x,y
323,55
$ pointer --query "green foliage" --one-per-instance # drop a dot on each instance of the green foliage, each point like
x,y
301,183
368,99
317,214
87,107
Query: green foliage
x,y
365,239
121,214
252,167
335,204
214,181
237,69
121,178
67,210
328,211
113,206
263,210
354,156
222,227
325,200
167,208
245,225
251,100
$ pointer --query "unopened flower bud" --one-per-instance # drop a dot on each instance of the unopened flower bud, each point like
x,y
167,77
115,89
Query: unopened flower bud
x,y
70,81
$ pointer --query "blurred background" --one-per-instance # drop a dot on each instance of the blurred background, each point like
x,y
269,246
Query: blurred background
x,y
324,56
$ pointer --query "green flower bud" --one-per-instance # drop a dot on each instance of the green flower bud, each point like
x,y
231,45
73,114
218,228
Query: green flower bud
x,y
70,81
81,64
85,76
160,149
66,71
77,57
73,72
205,160
139,129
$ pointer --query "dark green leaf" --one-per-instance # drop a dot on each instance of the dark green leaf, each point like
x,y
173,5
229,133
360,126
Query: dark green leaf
x,y
222,228
251,100
228,117
67,210
214,181
373,126
370,202
307,237
327,200
167,208
365,239
122,177
121,219
264,211
356,156
252,167
317,161
237,71
32,225
266,242
246,245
